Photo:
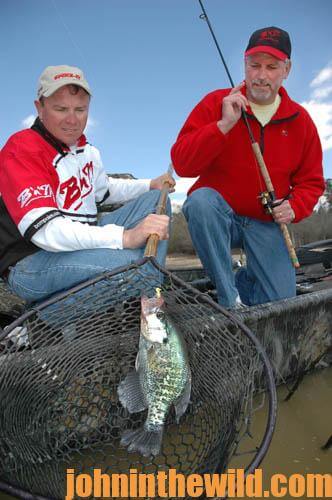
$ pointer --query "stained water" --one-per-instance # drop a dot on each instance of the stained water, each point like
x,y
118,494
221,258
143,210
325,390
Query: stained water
x,y
304,424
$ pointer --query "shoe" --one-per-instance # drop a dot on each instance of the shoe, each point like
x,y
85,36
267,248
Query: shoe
x,y
238,306
19,336
236,264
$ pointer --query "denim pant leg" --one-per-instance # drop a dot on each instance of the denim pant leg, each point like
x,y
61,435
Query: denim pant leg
x,y
43,274
270,274
213,232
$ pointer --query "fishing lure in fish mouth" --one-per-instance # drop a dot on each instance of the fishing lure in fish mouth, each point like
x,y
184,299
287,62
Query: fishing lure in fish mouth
x,y
153,326
161,378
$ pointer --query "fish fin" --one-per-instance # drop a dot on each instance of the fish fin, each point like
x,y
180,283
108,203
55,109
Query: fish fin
x,y
182,402
145,442
131,394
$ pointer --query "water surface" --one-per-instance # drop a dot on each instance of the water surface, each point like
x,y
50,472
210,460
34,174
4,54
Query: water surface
x,y
304,424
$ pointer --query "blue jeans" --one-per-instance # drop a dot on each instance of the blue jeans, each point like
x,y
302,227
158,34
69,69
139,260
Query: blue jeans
x,y
215,229
43,274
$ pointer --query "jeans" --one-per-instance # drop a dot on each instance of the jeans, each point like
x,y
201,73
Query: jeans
x,y
215,229
44,273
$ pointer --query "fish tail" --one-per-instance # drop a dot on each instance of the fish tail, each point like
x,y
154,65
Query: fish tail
x,y
146,442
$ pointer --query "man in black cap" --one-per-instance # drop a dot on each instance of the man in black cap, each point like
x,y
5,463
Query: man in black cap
x,y
223,207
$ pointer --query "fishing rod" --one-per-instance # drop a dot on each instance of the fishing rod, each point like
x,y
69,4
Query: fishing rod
x,y
268,197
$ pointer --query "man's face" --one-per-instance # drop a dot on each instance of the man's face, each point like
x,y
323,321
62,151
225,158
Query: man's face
x,y
264,75
65,113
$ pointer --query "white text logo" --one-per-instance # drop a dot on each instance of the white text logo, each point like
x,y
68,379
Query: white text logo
x,y
30,194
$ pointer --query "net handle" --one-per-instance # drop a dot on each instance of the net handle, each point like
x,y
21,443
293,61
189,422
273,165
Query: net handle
x,y
153,240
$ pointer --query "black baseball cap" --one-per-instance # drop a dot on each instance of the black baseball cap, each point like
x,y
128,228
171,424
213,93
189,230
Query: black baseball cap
x,y
271,40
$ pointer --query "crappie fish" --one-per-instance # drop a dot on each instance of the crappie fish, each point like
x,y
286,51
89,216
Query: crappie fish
x,y
162,378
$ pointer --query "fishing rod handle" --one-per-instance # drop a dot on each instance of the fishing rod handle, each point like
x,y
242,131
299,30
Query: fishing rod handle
x,y
262,166
270,188
289,245
152,242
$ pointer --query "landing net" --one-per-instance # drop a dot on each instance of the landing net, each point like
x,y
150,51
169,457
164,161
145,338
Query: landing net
x,y
61,364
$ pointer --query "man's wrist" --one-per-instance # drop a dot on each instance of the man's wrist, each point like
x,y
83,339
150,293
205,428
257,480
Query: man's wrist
x,y
224,127
125,238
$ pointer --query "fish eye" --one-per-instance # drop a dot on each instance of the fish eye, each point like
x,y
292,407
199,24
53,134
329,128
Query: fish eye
x,y
160,315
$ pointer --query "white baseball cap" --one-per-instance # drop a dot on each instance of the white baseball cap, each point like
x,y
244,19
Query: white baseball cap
x,y
55,77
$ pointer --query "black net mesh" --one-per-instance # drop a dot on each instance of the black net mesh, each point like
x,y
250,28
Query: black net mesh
x,y
61,364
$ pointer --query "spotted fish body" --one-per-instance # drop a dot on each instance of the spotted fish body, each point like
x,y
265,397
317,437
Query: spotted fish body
x,y
161,379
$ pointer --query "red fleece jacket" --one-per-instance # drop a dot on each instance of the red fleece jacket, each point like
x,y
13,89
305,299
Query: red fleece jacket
x,y
290,145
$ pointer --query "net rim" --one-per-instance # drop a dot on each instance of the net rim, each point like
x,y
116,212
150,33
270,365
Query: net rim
x,y
262,448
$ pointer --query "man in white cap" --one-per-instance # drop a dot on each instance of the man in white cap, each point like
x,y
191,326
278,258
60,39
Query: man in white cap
x,y
51,182
223,207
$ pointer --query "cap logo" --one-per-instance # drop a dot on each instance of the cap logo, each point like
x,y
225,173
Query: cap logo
x,y
270,35
54,77
67,75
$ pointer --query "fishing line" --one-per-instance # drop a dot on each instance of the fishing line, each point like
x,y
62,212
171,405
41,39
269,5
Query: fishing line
x,y
69,33
205,18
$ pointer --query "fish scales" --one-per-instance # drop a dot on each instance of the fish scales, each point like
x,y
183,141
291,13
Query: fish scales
x,y
162,378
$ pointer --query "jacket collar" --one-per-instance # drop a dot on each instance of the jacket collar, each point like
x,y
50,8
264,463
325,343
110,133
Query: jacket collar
x,y
287,109
59,146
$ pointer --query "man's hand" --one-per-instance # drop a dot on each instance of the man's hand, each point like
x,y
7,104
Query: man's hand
x,y
283,214
152,224
232,106
158,182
